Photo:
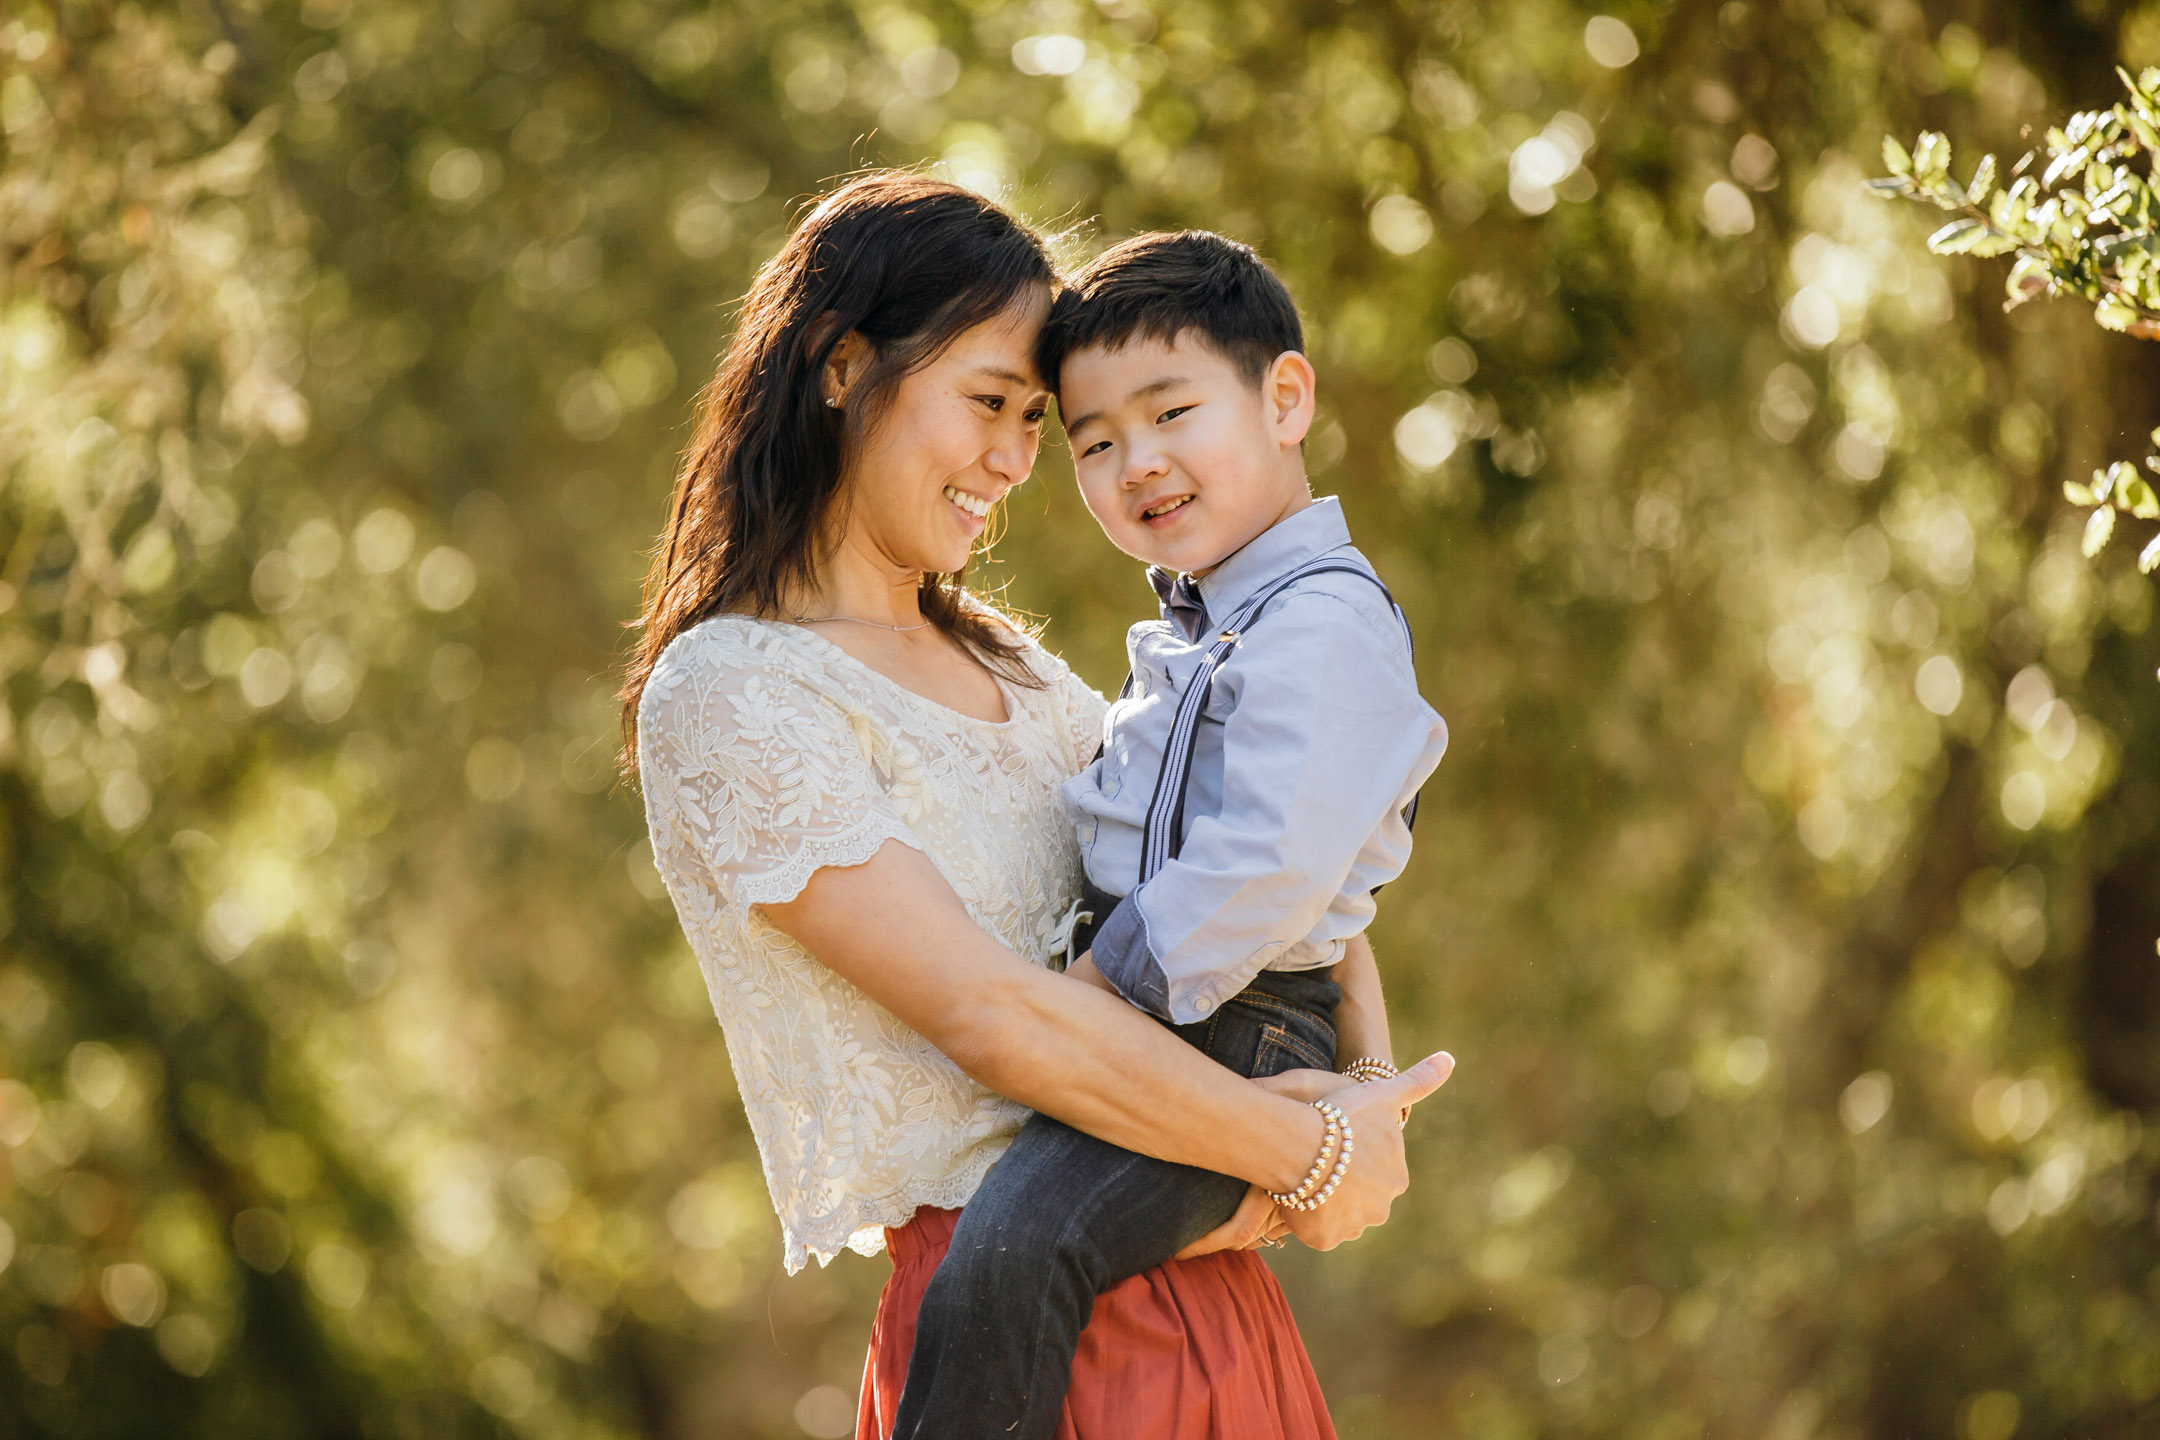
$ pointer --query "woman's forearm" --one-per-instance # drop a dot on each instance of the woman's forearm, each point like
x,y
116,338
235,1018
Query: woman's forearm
x,y
893,927
1361,1026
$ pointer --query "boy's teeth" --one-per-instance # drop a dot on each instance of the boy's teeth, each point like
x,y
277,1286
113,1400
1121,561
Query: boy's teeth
x,y
973,505
1157,510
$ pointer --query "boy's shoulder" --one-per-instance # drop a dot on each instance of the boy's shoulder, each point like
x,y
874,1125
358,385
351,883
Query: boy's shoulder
x,y
1344,580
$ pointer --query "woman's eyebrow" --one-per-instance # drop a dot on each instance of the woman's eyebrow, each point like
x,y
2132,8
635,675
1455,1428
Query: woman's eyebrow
x,y
1010,377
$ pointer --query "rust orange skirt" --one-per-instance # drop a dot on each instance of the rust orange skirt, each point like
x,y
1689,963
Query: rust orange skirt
x,y
1193,1350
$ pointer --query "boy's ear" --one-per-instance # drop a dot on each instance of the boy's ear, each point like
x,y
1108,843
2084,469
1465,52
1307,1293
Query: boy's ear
x,y
1289,390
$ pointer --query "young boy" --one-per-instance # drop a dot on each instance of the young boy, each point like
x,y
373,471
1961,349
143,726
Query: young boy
x,y
1253,790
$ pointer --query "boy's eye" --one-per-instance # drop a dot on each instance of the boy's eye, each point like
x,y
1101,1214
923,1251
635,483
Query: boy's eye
x,y
1095,449
1171,414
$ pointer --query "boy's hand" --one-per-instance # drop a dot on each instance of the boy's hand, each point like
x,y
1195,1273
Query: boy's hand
x,y
1305,1085
1083,970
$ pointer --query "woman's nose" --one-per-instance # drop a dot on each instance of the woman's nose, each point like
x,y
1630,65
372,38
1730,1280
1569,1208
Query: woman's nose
x,y
1011,460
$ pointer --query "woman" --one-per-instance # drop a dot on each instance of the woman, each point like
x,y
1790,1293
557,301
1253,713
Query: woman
x,y
851,771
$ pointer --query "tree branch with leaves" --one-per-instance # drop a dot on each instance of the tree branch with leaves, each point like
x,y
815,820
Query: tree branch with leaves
x,y
2087,225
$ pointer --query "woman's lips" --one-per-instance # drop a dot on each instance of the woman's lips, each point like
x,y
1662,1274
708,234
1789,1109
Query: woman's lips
x,y
974,510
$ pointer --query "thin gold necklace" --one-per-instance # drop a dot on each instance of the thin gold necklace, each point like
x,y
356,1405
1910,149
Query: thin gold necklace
x,y
855,620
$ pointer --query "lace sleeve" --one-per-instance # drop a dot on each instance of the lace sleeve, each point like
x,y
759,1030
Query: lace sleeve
x,y
1081,709
756,777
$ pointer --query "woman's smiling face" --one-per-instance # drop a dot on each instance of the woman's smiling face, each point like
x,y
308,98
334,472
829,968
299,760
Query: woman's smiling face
x,y
955,436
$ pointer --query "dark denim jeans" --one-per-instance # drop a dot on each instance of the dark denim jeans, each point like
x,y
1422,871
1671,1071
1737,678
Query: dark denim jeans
x,y
1062,1217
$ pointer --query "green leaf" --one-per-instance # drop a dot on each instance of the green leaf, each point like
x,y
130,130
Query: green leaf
x,y
2078,495
2149,557
1983,180
1895,158
1892,185
1958,237
2062,165
2156,438
2111,249
2138,498
2097,531
1931,157
2109,482
2029,279
2115,200
2113,314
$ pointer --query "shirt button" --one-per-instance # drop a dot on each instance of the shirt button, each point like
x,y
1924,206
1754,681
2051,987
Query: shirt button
x,y
1203,1005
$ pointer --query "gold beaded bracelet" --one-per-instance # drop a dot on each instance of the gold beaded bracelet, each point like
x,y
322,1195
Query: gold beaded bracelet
x,y
1328,1168
1368,1068
1296,1198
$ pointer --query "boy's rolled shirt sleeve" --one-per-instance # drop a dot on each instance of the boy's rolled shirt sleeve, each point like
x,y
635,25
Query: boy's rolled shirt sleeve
x,y
1327,738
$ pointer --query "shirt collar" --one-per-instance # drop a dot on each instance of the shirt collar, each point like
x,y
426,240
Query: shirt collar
x,y
1275,551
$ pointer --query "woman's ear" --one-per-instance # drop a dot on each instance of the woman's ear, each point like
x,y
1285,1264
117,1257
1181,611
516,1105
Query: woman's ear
x,y
1290,390
844,367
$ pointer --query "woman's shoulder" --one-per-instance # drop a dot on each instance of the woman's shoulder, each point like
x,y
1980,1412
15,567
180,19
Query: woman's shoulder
x,y
728,652
1041,661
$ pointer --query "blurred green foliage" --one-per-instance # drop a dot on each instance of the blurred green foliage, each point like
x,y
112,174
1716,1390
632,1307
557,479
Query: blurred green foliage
x,y
1789,894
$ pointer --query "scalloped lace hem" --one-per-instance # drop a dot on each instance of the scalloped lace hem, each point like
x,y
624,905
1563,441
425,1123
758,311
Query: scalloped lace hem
x,y
861,1226
777,887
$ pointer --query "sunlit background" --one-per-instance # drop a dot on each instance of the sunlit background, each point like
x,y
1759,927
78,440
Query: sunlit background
x,y
1789,893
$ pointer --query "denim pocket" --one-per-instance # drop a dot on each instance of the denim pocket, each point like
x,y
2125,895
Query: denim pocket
x,y
1282,1021
1288,1035
1289,1045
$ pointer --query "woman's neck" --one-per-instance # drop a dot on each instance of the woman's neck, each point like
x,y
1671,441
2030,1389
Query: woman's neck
x,y
861,584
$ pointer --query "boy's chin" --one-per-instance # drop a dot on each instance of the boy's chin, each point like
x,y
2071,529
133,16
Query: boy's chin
x,y
1182,556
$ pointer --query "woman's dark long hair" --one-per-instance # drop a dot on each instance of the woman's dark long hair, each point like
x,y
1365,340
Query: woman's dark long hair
x,y
910,263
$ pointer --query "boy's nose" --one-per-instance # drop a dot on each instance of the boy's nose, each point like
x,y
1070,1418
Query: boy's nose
x,y
1142,466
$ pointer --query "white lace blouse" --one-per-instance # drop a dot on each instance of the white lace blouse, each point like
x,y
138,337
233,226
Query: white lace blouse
x,y
766,753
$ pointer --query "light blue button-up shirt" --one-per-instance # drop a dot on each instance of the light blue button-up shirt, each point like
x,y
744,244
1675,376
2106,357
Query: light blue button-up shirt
x,y
1312,739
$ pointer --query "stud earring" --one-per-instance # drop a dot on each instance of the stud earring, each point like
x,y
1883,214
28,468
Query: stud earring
x,y
832,402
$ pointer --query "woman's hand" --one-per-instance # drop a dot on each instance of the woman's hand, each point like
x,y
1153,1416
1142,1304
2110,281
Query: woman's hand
x,y
1311,1085
1258,1221
1378,1169
1305,1085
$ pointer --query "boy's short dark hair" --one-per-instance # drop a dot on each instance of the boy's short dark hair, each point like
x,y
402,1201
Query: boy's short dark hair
x,y
1160,285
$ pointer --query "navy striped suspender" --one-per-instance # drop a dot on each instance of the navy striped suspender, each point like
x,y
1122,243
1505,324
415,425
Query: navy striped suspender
x,y
1165,834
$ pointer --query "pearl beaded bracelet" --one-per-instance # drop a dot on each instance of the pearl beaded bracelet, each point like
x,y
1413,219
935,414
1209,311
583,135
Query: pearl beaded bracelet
x,y
1328,1168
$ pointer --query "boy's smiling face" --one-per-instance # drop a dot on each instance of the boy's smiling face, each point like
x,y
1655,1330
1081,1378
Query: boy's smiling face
x,y
1181,459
